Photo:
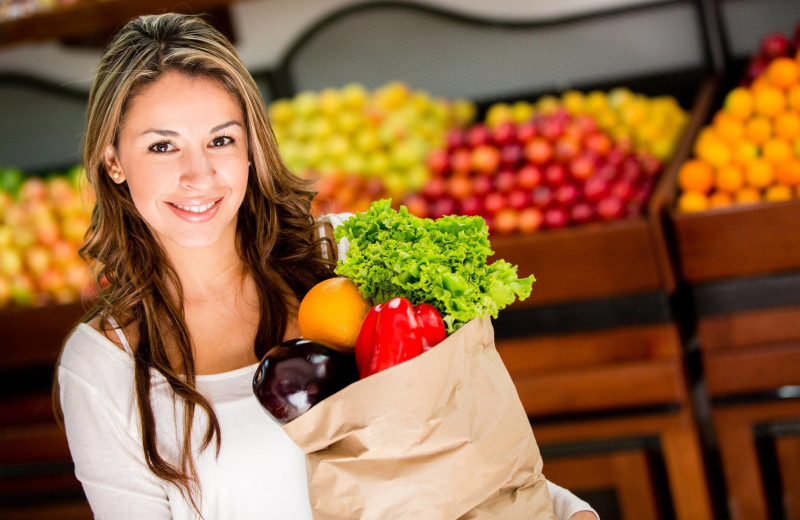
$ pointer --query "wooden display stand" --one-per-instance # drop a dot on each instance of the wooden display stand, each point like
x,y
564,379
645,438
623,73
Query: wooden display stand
x,y
750,353
749,335
635,371
627,370
36,473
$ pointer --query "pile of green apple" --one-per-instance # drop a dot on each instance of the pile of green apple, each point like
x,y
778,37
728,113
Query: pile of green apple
x,y
42,225
385,133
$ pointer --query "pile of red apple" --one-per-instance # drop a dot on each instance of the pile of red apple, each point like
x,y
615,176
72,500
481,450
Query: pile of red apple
x,y
772,45
549,172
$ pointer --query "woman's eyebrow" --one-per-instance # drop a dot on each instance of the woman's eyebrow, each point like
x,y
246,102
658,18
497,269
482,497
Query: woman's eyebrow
x,y
225,125
173,133
163,133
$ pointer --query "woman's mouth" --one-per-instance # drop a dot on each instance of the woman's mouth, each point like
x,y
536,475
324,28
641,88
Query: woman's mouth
x,y
195,213
196,209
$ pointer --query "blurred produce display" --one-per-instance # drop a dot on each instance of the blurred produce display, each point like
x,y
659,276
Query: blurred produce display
x,y
550,171
11,9
339,191
655,124
773,45
42,225
750,152
386,133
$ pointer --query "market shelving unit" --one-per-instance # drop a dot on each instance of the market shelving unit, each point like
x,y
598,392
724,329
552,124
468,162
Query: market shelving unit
x,y
740,271
596,353
599,362
743,270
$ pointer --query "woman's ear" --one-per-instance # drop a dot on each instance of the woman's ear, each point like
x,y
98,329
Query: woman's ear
x,y
113,168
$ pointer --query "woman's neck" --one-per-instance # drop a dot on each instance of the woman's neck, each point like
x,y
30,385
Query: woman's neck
x,y
209,275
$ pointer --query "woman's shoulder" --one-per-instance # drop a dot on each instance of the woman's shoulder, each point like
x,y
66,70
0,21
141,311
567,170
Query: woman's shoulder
x,y
91,355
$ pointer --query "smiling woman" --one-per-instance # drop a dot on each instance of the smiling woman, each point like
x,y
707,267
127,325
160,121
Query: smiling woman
x,y
203,243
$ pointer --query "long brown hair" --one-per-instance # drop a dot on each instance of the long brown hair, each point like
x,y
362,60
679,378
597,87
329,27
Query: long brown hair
x,y
275,229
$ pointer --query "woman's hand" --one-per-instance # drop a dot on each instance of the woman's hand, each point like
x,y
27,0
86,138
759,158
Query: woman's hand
x,y
584,515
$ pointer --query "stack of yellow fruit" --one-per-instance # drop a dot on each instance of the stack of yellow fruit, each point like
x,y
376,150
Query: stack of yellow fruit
x,y
654,124
385,133
751,150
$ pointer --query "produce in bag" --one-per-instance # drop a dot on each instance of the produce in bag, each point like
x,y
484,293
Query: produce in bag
x,y
431,433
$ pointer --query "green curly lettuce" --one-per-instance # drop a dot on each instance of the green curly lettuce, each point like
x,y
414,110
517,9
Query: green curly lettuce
x,y
441,262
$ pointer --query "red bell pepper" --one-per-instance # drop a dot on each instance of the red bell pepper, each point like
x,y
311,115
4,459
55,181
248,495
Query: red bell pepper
x,y
394,332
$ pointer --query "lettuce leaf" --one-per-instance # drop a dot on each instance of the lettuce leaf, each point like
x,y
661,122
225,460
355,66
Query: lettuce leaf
x,y
441,262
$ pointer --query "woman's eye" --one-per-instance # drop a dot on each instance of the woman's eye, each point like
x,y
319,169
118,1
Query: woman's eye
x,y
161,147
221,141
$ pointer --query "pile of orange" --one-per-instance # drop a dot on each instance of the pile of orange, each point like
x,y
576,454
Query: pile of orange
x,y
751,150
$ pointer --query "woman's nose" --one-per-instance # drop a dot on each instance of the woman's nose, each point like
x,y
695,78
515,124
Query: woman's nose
x,y
198,172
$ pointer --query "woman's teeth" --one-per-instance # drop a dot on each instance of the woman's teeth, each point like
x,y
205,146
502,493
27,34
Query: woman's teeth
x,y
196,209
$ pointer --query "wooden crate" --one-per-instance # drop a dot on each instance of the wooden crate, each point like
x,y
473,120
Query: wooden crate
x,y
33,337
744,478
676,436
739,241
36,475
733,242
605,259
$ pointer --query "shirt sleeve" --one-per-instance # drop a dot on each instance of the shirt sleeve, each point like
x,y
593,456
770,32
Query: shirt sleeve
x,y
565,504
109,462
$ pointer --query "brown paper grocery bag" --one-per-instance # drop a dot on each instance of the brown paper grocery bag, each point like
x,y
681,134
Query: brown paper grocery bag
x,y
442,436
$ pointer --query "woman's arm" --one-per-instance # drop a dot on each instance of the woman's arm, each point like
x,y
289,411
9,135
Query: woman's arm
x,y
567,506
108,461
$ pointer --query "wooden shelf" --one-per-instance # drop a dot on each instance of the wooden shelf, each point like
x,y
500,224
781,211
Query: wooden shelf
x,y
739,241
33,337
95,20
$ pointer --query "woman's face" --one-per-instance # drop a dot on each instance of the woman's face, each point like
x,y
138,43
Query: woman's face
x,y
182,149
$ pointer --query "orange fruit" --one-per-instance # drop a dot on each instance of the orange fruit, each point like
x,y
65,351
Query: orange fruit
x,y
787,125
769,100
730,178
759,83
720,199
714,151
778,193
759,173
758,129
747,196
788,172
793,97
728,127
783,72
745,152
691,202
696,175
706,134
332,312
777,150
739,103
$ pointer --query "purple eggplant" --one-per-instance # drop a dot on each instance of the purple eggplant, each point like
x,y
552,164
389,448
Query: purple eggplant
x,y
297,374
